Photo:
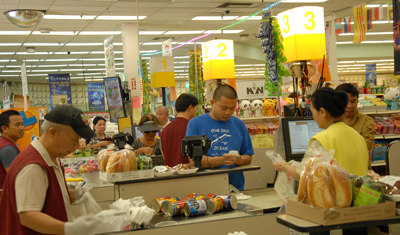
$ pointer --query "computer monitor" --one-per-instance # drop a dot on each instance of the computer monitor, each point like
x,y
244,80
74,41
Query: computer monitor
x,y
124,122
297,132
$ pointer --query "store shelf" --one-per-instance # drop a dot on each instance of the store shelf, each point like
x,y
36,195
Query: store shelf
x,y
379,163
381,111
258,118
67,161
387,137
379,137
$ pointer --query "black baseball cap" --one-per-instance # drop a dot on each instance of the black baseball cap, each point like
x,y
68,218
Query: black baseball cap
x,y
71,116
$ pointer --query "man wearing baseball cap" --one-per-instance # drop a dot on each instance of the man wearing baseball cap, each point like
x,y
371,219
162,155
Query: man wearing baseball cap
x,y
35,197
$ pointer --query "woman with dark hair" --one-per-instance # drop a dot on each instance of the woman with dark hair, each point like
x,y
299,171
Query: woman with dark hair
x,y
327,106
149,143
101,141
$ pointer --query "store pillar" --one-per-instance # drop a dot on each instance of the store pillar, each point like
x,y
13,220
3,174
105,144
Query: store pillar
x,y
130,47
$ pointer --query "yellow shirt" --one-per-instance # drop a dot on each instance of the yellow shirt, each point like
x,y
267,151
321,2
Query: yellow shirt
x,y
350,148
365,126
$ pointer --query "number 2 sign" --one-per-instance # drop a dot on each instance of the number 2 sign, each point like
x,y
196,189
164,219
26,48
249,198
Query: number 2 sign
x,y
218,59
302,29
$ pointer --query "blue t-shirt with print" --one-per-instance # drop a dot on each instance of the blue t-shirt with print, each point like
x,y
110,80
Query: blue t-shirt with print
x,y
224,136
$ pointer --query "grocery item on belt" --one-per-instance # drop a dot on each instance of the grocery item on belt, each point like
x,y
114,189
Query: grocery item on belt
x,y
195,207
103,156
121,161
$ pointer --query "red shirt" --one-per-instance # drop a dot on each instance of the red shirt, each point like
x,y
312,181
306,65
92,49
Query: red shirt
x,y
4,142
171,141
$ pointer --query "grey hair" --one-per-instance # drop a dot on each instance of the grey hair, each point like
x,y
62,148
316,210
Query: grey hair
x,y
164,108
46,125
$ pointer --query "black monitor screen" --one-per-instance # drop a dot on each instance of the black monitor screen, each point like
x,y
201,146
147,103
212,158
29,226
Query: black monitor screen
x,y
297,133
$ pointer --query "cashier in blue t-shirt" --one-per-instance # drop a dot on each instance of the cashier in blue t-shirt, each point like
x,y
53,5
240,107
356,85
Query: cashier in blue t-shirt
x,y
226,133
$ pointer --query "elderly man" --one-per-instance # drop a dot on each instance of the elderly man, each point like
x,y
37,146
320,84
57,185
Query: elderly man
x,y
35,198
12,129
162,114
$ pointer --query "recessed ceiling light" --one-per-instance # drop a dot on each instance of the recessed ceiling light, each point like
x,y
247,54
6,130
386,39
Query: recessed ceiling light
x,y
184,32
84,44
100,33
223,31
151,32
120,17
52,33
215,18
251,18
303,1
68,17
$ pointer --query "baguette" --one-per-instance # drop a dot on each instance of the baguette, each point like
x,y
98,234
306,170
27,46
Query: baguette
x,y
341,187
319,191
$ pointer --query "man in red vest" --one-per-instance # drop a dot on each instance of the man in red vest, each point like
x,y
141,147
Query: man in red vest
x,y
12,129
35,197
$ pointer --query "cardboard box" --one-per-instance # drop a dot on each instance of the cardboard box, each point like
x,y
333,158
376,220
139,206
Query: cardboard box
x,y
127,176
341,216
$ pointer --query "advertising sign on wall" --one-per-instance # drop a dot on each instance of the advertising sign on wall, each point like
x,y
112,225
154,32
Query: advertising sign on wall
x,y
114,98
96,96
251,89
60,84
370,73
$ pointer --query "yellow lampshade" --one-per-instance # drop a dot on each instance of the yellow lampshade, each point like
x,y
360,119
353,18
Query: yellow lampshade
x,y
303,33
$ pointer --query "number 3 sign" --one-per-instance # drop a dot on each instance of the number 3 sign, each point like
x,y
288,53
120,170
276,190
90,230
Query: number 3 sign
x,y
303,33
218,59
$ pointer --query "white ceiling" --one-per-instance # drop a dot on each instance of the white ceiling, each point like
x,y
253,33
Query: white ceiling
x,y
161,15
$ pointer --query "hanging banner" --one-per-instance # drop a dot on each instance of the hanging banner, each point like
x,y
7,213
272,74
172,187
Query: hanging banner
x,y
370,74
96,96
6,97
396,34
60,89
166,48
114,98
24,80
109,56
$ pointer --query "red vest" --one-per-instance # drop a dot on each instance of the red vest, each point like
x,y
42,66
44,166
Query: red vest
x,y
4,142
53,205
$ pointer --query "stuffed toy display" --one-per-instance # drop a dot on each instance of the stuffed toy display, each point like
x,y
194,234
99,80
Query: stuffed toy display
x,y
392,96
257,107
245,108
269,107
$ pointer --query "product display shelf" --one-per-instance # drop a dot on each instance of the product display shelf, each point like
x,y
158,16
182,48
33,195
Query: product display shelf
x,y
67,161
379,137
387,137
380,112
258,118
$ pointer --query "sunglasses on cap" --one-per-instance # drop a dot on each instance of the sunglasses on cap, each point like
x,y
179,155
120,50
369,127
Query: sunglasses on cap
x,y
147,132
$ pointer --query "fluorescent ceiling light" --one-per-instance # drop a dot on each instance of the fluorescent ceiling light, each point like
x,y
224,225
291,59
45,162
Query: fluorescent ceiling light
x,y
100,33
34,60
303,1
215,17
118,52
382,22
346,62
370,33
180,67
184,32
88,80
181,57
96,69
68,17
150,51
72,69
37,75
382,41
119,68
13,66
61,59
34,53
86,65
98,79
365,61
11,71
76,77
44,44
44,70
146,58
151,32
242,65
88,73
52,65
84,44
15,32
224,31
251,18
97,52
79,52
391,60
52,33
117,43
7,53
10,44
9,75
92,59
120,17
345,42
151,43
